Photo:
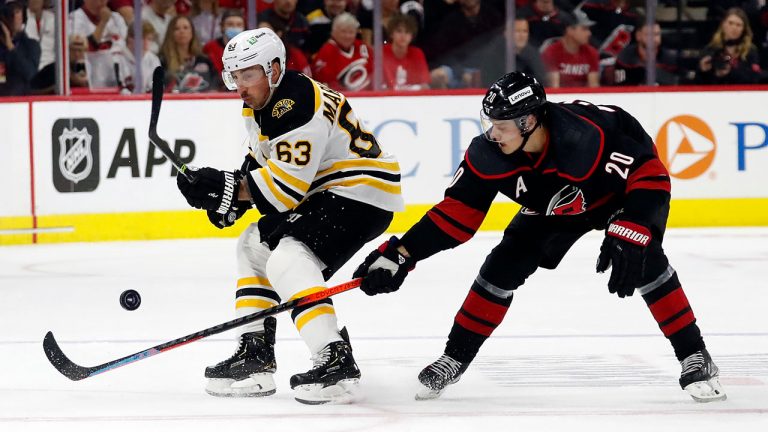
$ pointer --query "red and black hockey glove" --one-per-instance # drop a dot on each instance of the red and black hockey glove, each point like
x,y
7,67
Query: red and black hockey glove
x,y
624,249
384,269
211,189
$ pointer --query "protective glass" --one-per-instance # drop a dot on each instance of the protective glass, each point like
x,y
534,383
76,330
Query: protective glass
x,y
243,77
503,128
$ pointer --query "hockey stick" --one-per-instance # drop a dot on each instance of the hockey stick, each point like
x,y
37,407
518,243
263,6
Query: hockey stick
x,y
158,77
76,372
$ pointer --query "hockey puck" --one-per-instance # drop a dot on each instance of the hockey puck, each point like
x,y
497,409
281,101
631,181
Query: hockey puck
x,y
130,300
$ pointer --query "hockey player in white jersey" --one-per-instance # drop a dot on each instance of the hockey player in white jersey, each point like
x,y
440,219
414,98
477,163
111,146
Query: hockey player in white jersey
x,y
324,188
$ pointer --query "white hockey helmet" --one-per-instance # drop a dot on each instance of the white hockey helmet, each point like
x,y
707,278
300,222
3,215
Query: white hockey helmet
x,y
250,48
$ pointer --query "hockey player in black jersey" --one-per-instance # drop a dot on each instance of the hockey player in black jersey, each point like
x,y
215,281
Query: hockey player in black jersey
x,y
573,168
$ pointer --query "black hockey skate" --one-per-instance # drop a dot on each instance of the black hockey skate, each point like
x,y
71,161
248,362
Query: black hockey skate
x,y
248,373
333,378
437,376
700,378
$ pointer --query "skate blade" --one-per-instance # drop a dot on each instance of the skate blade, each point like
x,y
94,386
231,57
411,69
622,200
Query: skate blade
x,y
257,385
343,392
426,393
706,391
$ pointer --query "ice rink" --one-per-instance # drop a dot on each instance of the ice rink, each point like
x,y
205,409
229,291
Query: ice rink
x,y
569,355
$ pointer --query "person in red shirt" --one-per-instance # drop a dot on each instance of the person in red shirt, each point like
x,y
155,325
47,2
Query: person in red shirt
x,y
344,63
405,67
571,61
232,23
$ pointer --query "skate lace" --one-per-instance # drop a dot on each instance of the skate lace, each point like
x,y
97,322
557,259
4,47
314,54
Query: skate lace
x,y
446,366
321,358
692,363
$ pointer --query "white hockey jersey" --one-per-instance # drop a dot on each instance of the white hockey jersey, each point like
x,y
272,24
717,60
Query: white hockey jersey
x,y
306,140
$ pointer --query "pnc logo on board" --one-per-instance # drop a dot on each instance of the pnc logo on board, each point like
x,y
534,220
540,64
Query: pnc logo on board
x,y
686,146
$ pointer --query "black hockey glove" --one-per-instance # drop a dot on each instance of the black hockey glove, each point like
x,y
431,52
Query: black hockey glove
x,y
211,190
249,164
624,248
384,269
227,220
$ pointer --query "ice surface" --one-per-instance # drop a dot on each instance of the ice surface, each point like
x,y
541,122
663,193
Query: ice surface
x,y
569,356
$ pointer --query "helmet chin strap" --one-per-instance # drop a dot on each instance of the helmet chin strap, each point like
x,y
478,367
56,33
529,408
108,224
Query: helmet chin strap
x,y
527,134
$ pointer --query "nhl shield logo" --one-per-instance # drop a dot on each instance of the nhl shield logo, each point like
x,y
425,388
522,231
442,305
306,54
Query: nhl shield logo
x,y
75,157
75,151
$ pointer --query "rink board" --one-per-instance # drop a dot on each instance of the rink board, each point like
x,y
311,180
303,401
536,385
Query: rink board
x,y
85,169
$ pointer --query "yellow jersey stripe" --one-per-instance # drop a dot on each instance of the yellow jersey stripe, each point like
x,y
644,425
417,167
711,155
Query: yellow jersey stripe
x,y
254,303
285,200
307,292
247,112
318,100
255,280
393,189
287,178
263,137
358,163
312,314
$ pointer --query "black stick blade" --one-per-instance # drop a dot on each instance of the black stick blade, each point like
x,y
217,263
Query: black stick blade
x,y
61,362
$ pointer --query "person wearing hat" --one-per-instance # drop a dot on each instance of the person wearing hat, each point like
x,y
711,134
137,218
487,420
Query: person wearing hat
x,y
571,61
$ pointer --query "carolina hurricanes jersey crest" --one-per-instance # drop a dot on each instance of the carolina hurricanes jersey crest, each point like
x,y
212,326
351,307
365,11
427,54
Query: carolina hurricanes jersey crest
x,y
567,201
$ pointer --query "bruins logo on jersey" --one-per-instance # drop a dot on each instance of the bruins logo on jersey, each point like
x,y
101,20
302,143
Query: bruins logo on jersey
x,y
281,107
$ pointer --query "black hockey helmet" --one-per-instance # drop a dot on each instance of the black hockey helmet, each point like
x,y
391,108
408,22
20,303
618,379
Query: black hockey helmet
x,y
512,96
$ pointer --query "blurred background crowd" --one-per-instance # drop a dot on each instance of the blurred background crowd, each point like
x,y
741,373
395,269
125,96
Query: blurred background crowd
x,y
421,44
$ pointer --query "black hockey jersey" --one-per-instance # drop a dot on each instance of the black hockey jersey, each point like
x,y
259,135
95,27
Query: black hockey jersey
x,y
596,160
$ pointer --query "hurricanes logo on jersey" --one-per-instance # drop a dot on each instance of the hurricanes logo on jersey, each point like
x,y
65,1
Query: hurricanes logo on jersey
x,y
568,201
686,146
281,107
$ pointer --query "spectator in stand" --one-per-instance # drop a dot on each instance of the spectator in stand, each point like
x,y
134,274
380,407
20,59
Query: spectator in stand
x,y
730,57
41,26
291,23
629,69
571,61
527,58
545,20
405,67
206,18
78,45
294,57
344,63
124,8
232,23
451,49
101,27
389,8
159,13
607,15
188,70
126,62
19,55
320,24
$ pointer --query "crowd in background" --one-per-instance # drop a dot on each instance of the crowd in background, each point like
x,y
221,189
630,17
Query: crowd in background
x,y
429,44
